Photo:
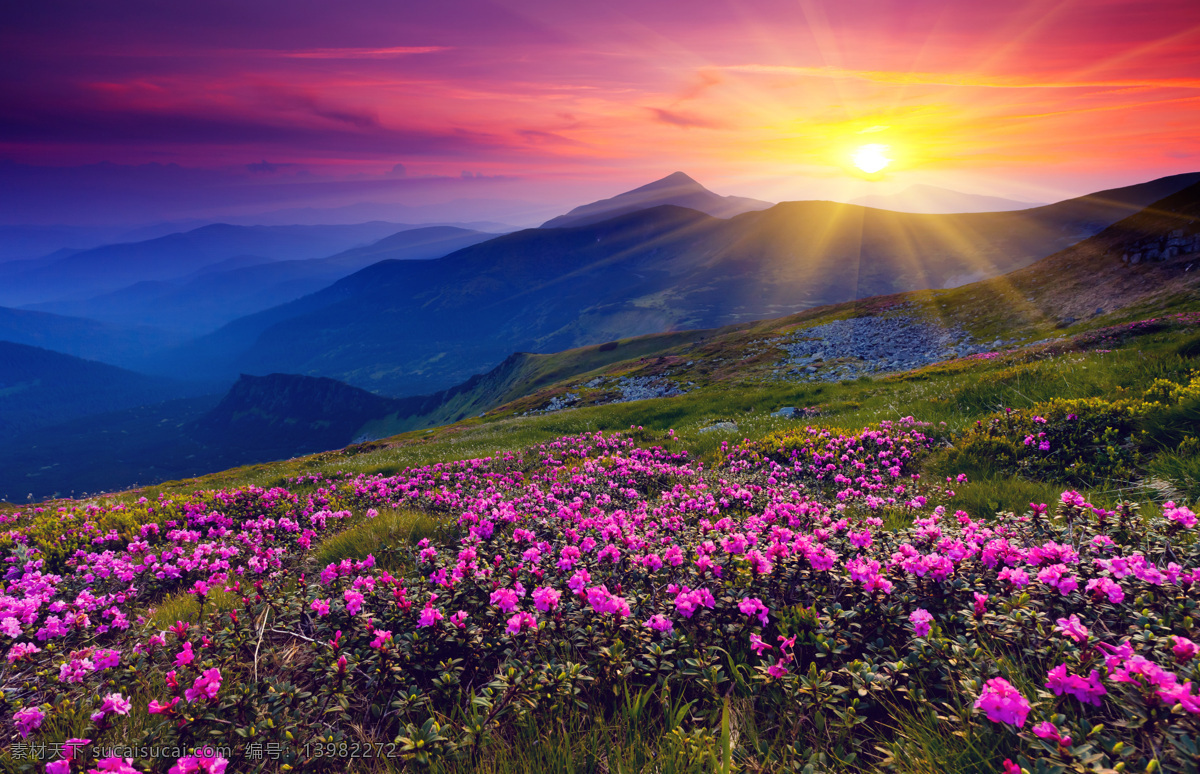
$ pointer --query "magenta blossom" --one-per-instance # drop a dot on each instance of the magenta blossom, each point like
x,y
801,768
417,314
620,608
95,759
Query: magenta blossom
x,y
505,599
546,598
1073,628
205,686
1087,689
27,720
659,623
1184,649
754,606
1003,703
159,708
520,621
1047,730
920,620
430,615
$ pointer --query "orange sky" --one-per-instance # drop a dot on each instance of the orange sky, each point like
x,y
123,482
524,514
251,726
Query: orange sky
x,y
1034,99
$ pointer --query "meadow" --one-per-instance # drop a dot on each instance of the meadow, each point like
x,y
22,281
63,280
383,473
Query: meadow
x,y
987,565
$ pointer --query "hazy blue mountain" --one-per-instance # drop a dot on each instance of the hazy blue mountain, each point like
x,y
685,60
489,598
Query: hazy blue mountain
x,y
88,339
39,388
87,273
677,189
218,293
931,199
22,243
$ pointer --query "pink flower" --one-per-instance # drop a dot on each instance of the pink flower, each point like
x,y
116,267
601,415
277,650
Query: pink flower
x,y
754,606
604,601
546,598
1179,514
757,644
459,619
1143,672
320,607
1073,628
27,720
159,708
1003,703
860,539
106,658
1108,587
1010,767
22,650
505,599
659,623
1184,649
778,669
205,686
1015,576
1047,730
920,620
58,767
429,616
354,601
381,637
185,656
520,621
980,604
1088,690
113,703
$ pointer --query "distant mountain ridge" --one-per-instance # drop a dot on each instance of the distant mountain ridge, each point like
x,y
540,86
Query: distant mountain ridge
x,y
40,388
86,273
83,338
410,328
677,189
933,200
218,293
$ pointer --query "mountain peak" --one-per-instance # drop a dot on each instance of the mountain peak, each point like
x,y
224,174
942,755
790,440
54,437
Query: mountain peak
x,y
677,188
674,181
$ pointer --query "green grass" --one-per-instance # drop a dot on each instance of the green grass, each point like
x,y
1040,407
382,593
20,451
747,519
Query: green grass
x,y
185,607
386,537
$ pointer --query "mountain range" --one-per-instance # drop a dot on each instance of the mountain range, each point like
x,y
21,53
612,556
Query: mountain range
x,y
404,328
74,274
218,293
933,200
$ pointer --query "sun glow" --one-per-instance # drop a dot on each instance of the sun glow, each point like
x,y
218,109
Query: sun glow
x,y
870,158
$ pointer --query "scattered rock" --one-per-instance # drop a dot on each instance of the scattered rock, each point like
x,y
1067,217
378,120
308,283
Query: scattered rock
x,y
786,411
726,426
857,346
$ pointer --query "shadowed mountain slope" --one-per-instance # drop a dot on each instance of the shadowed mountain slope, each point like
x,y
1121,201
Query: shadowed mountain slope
x,y
1143,261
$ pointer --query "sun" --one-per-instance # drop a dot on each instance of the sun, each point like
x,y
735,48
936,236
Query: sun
x,y
871,158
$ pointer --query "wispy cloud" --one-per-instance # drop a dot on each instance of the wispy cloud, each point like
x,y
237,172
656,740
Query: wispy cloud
x,y
685,120
954,79
358,53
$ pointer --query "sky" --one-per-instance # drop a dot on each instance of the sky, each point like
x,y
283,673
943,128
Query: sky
x,y
516,110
